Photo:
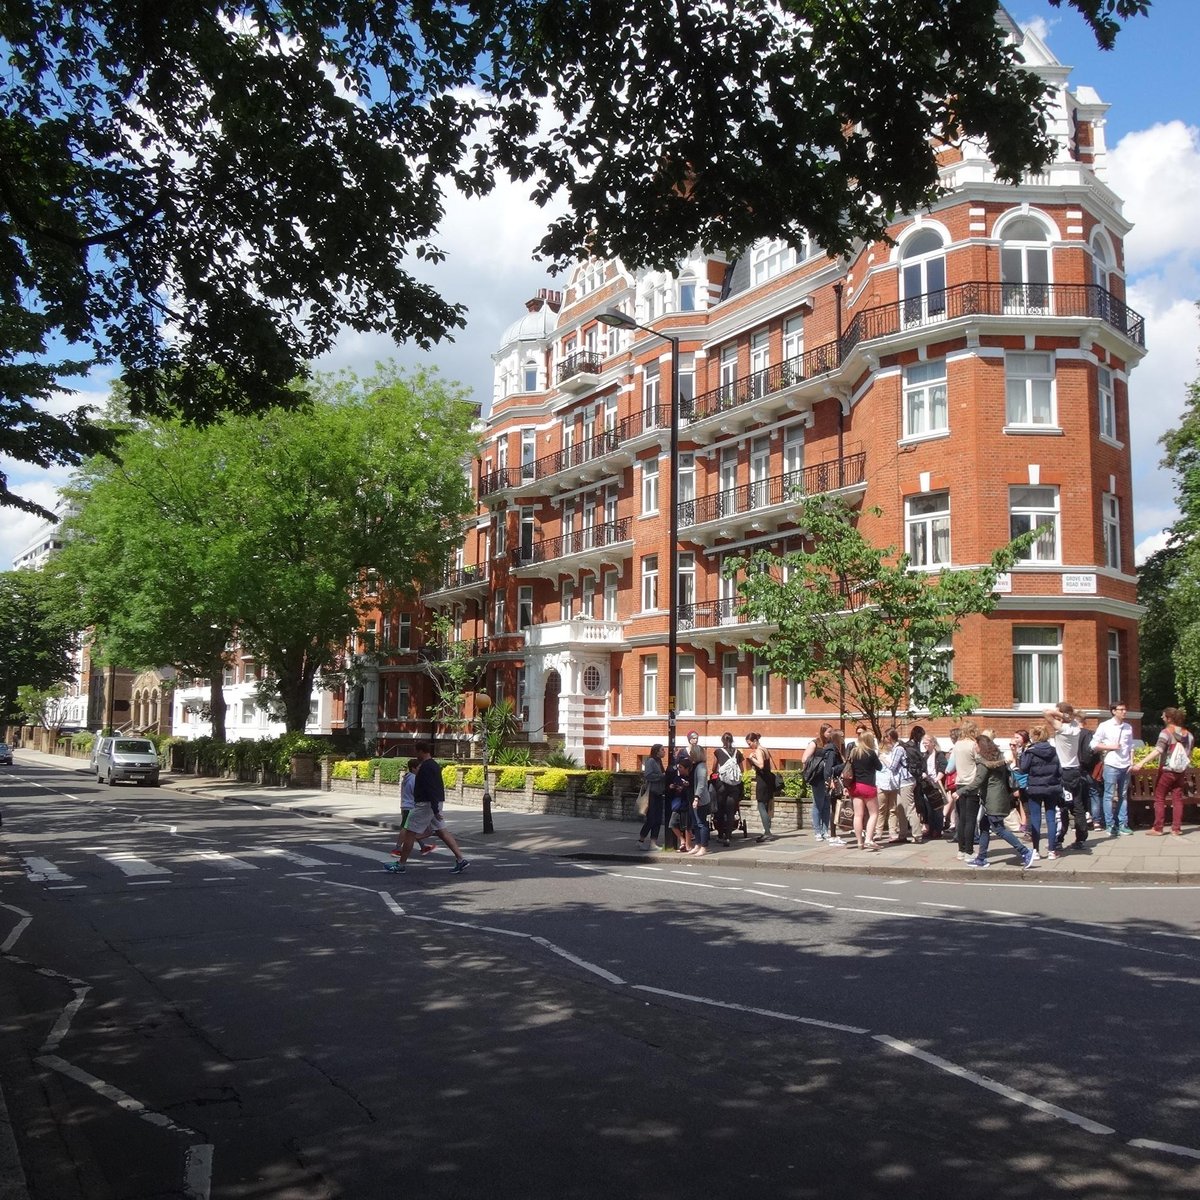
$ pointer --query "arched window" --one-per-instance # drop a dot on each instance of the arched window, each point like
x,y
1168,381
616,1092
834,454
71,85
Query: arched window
x,y
1025,266
923,277
1102,263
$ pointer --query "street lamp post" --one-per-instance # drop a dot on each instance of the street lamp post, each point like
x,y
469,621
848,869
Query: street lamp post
x,y
619,320
482,703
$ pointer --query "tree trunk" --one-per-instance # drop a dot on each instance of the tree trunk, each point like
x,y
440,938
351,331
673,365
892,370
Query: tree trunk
x,y
295,694
216,702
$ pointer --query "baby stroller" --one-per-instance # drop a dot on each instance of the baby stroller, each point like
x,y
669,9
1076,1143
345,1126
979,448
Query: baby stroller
x,y
725,821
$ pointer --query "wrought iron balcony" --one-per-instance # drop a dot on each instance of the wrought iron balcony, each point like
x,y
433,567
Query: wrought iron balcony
x,y
583,362
463,577
709,614
849,471
581,541
647,420
1072,300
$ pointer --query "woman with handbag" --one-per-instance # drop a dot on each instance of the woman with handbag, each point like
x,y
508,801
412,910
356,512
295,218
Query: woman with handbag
x,y
861,769
727,776
655,782
820,766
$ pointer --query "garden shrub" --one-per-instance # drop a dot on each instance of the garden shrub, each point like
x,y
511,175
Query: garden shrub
x,y
449,776
473,777
511,779
552,780
598,783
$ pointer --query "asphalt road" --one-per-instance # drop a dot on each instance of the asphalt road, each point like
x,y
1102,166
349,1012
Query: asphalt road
x,y
211,1000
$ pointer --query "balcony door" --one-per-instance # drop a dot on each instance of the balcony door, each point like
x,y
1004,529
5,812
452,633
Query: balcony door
x,y
1025,267
923,278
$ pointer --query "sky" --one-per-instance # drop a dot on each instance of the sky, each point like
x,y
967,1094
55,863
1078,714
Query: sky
x,y
1153,138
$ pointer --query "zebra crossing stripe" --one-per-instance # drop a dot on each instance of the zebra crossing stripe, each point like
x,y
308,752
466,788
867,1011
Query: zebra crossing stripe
x,y
42,870
130,864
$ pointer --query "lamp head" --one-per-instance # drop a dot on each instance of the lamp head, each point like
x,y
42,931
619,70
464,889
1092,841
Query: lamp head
x,y
482,702
617,319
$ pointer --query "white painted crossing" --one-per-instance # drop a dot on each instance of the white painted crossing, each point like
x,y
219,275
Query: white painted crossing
x,y
379,856
301,860
226,862
131,865
42,870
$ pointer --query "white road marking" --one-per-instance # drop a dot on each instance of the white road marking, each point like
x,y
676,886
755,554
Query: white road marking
x,y
936,904
746,1008
67,887
727,878
121,1099
197,1171
301,860
358,851
65,1018
1166,1147
40,870
820,892
579,962
146,882
991,1085
20,927
885,899
998,912
130,864
391,902
761,883
227,861
1150,887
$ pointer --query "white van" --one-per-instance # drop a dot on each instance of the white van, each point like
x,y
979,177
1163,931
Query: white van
x,y
127,758
99,745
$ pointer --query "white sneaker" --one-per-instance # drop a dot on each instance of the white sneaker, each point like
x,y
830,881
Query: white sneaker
x,y
837,841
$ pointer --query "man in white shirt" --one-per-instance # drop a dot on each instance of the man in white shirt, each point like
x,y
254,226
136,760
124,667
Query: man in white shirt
x,y
1114,739
1067,731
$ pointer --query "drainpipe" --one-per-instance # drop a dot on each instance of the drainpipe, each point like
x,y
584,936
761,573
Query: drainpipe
x,y
841,431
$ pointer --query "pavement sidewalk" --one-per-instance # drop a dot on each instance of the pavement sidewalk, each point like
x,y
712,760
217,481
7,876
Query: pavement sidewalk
x,y
1137,859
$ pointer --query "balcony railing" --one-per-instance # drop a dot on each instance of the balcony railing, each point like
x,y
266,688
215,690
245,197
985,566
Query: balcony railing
x,y
930,308
657,416
709,614
457,577
849,471
578,542
584,362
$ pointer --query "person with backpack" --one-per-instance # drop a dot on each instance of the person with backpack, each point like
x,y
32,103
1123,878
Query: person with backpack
x,y
729,787
995,784
900,757
1043,789
821,764
1173,751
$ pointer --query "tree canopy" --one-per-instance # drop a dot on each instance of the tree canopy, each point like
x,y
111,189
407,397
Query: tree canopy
x,y
218,184
1169,582
865,633
36,638
272,530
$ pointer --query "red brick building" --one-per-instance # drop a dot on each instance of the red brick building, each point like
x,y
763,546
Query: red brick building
x,y
969,378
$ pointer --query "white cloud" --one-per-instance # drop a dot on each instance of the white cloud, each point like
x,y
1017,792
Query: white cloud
x,y
1148,546
1157,172
18,528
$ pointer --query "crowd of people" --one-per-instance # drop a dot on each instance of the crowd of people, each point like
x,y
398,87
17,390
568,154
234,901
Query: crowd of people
x,y
1056,778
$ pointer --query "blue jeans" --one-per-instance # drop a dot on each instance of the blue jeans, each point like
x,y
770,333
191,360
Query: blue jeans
x,y
1116,797
987,825
700,825
1096,801
820,807
1036,804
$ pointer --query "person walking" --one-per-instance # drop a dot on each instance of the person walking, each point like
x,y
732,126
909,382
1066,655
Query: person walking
x,y
996,789
730,787
701,795
1114,739
655,782
1043,789
425,817
1173,752
407,803
764,784
860,772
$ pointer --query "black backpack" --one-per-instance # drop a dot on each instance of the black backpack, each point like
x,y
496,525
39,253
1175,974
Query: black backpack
x,y
1087,757
915,760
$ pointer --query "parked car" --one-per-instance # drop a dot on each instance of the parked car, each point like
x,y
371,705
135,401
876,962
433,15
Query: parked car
x,y
5,755
127,759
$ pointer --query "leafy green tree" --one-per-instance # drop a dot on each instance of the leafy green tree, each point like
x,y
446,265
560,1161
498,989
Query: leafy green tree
x,y
265,529
452,666
863,631
1173,627
205,183
1158,635
39,706
37,638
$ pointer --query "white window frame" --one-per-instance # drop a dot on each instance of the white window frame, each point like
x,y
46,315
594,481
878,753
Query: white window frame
x,y
566,600
1026,373
926,404
649,683
729,677
529,377
650,487
794,695
498,614
1114,666
1110,518
1036,515
927,530
1107,403
612,585
524,607
1043,668
587,602
685,584
760,686
404,632
649,589
686,700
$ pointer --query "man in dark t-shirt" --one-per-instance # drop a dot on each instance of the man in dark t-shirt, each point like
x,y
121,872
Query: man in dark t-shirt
x,y
425,816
